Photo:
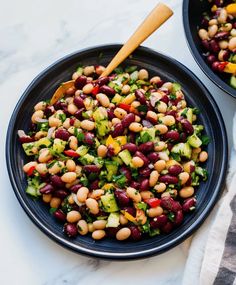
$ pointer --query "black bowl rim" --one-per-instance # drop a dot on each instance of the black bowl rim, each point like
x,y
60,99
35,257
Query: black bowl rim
x,y
198,57
124,255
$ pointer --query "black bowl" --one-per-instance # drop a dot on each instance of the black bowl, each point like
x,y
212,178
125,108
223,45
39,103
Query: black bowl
x,y
197,95
192,15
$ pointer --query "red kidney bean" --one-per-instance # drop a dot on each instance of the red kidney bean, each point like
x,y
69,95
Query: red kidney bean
x,y
83,96
107,90
110,113
59,105
211,58
56,181
140,97
153,157
146,147
187,126
170,204
60,193
110,151
188,204
102,80
147,124
79,102
127,172
145,172
175,170
122,199
226,55
221,36
158,222
204,22
172,135
214,46
215,65
131,147
178,218
142,156
130,210
136,234
153,121
144,185
89,138
165,99
79,113
192,168
111,232
182,137
76,187
60,216
91,168
127,120
118,130
26,139
206,44
169,146
169,179
72,121
172,113
47,189
167,228
62,134
80,82
70,230
94,185
135,184
131,137
49,110
189,181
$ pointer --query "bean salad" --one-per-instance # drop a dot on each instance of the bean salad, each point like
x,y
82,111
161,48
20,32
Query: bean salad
x,y
118,157
218,34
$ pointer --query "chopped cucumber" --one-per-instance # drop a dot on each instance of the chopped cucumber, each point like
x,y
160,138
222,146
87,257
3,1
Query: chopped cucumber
x,y
194,141
43,142
117,99
112,168
86,159
176,87
28,148
109,203
184,149
233,81
58,145
113,220
33,187
125,156
148,135
188,113
82,150
101,121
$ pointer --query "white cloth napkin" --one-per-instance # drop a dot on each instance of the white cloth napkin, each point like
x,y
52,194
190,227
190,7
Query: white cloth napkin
x,y
212,253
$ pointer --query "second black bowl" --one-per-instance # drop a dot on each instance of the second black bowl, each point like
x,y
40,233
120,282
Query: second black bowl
x,y
192,15
157,64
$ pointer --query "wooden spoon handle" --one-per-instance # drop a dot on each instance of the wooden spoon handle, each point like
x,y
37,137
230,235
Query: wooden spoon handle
x,y
154,20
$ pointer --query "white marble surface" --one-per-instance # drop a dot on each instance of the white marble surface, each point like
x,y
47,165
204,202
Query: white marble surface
x,y
33,35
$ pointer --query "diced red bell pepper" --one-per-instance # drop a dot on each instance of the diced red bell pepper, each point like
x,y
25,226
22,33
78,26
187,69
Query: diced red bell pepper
x,y
125,107
153,202
222,66
71,153
30,171
95,90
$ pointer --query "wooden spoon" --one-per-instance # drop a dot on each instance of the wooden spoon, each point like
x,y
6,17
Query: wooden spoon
x,y
153,21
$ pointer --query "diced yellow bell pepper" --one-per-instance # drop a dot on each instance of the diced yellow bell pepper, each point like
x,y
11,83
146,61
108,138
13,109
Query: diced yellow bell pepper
x,y
129,217
171,162
121,140
114,144
230,68
108,186
129,99
231,9
213,8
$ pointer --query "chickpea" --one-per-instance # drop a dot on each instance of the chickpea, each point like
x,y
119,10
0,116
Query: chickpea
x,y
233,32
78,170
55,202
232,44
165,194
133,194
168,120
137,162
146,195
160,187
135,104
68,177
143,74
71,200
82,227
87,125
125,89
120,113
153,178
203,156
222,17
88,103
123,234
88,70
226,27
186,192
98,234
37,115
183,177
115,121
73,142
154,212
91,227
28,165
99,224
82,194
103,100
75,75
54,122
87,89
44,155
73,217
70,165
152,115
41,168
223,44
162,107
161,128
168,85
102,151
40,106
160,165
96,194
155,80
135,127
92,205
47,198
72,108
123,220
212,22
40,134
221,55
99,69
159,146
203,34
56,167
212,30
